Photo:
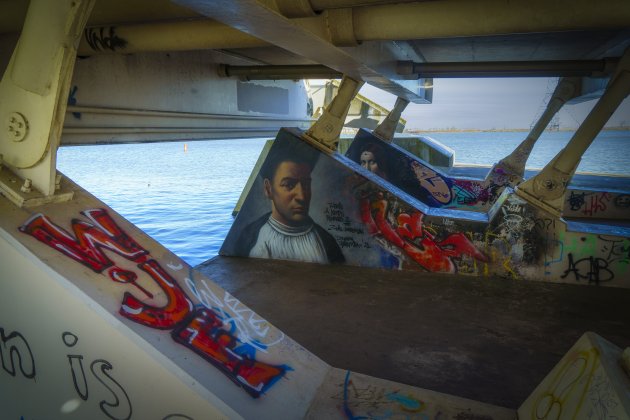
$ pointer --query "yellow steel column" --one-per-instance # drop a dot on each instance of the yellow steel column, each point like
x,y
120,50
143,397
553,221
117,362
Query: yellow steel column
x,y
327,128
34,92
568,88
387,128
547,189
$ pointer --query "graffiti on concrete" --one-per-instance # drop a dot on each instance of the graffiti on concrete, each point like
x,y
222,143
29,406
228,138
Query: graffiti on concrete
x,y
252,332
588,204
596,204
76,366
120,407
408,234
383,224
368,401
16,355
588,258
594,270
571,383
205,335
210,337
86,247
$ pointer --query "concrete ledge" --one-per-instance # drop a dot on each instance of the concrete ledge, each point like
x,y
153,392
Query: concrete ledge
x,y
491,340
588,382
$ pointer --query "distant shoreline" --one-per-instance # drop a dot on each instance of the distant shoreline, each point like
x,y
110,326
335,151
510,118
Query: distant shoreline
x,y
497,130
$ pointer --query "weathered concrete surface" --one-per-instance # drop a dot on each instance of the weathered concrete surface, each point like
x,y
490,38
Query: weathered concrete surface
x,y
588,382
491,340
354,396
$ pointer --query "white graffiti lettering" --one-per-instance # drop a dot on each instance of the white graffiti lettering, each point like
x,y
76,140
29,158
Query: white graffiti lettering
x,y
250,328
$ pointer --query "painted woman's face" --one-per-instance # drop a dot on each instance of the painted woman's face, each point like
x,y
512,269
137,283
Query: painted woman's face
x,y
368,161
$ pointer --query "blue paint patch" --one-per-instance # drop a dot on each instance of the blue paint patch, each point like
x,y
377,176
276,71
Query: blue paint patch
x,y
407,402
346,408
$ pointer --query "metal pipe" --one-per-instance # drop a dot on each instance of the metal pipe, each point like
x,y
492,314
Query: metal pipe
x,y
380,20
320,5
458,18
306,8
286,72
564,68
169,36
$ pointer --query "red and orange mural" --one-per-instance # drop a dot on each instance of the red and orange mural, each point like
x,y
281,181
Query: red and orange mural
x,y
420,245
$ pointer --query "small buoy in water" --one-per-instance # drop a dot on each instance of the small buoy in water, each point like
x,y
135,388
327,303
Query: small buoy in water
x,y
185,147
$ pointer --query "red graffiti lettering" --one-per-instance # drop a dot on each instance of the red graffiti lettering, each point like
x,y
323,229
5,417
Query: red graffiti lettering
x,y
205,335
366,217
383,225
595,204
419,244
86,246
175,310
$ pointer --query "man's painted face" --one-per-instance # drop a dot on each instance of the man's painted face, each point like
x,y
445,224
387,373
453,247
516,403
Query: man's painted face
x,y
290,193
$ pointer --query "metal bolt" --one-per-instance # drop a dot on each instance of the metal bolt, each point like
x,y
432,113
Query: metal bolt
x,y
17,126
550,185
26,188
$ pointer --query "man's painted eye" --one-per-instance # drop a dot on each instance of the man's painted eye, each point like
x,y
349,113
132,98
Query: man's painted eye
x,y
289,184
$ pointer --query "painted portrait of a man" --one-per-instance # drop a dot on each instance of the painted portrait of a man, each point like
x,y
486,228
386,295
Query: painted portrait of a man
x,y
288,232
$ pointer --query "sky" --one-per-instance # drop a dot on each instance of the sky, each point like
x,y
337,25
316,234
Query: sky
x,y
490,103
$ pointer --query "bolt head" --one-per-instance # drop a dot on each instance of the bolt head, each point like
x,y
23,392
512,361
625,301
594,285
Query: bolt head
x,y
17,126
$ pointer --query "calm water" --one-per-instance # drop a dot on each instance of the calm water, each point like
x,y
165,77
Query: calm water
x,y
185,199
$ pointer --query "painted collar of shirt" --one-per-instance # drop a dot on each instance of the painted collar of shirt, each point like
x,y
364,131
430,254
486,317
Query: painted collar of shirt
x,y
290,230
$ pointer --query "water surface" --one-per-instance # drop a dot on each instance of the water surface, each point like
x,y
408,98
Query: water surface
x,y
184,199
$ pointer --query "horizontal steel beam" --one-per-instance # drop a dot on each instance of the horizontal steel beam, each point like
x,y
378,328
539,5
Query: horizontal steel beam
x,y
562,68
287,72
264,23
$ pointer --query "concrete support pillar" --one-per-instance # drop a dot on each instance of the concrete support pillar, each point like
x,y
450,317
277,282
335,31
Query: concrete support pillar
x,y
547,189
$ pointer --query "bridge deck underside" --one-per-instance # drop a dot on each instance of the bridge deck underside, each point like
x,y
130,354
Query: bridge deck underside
x,y
490,339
